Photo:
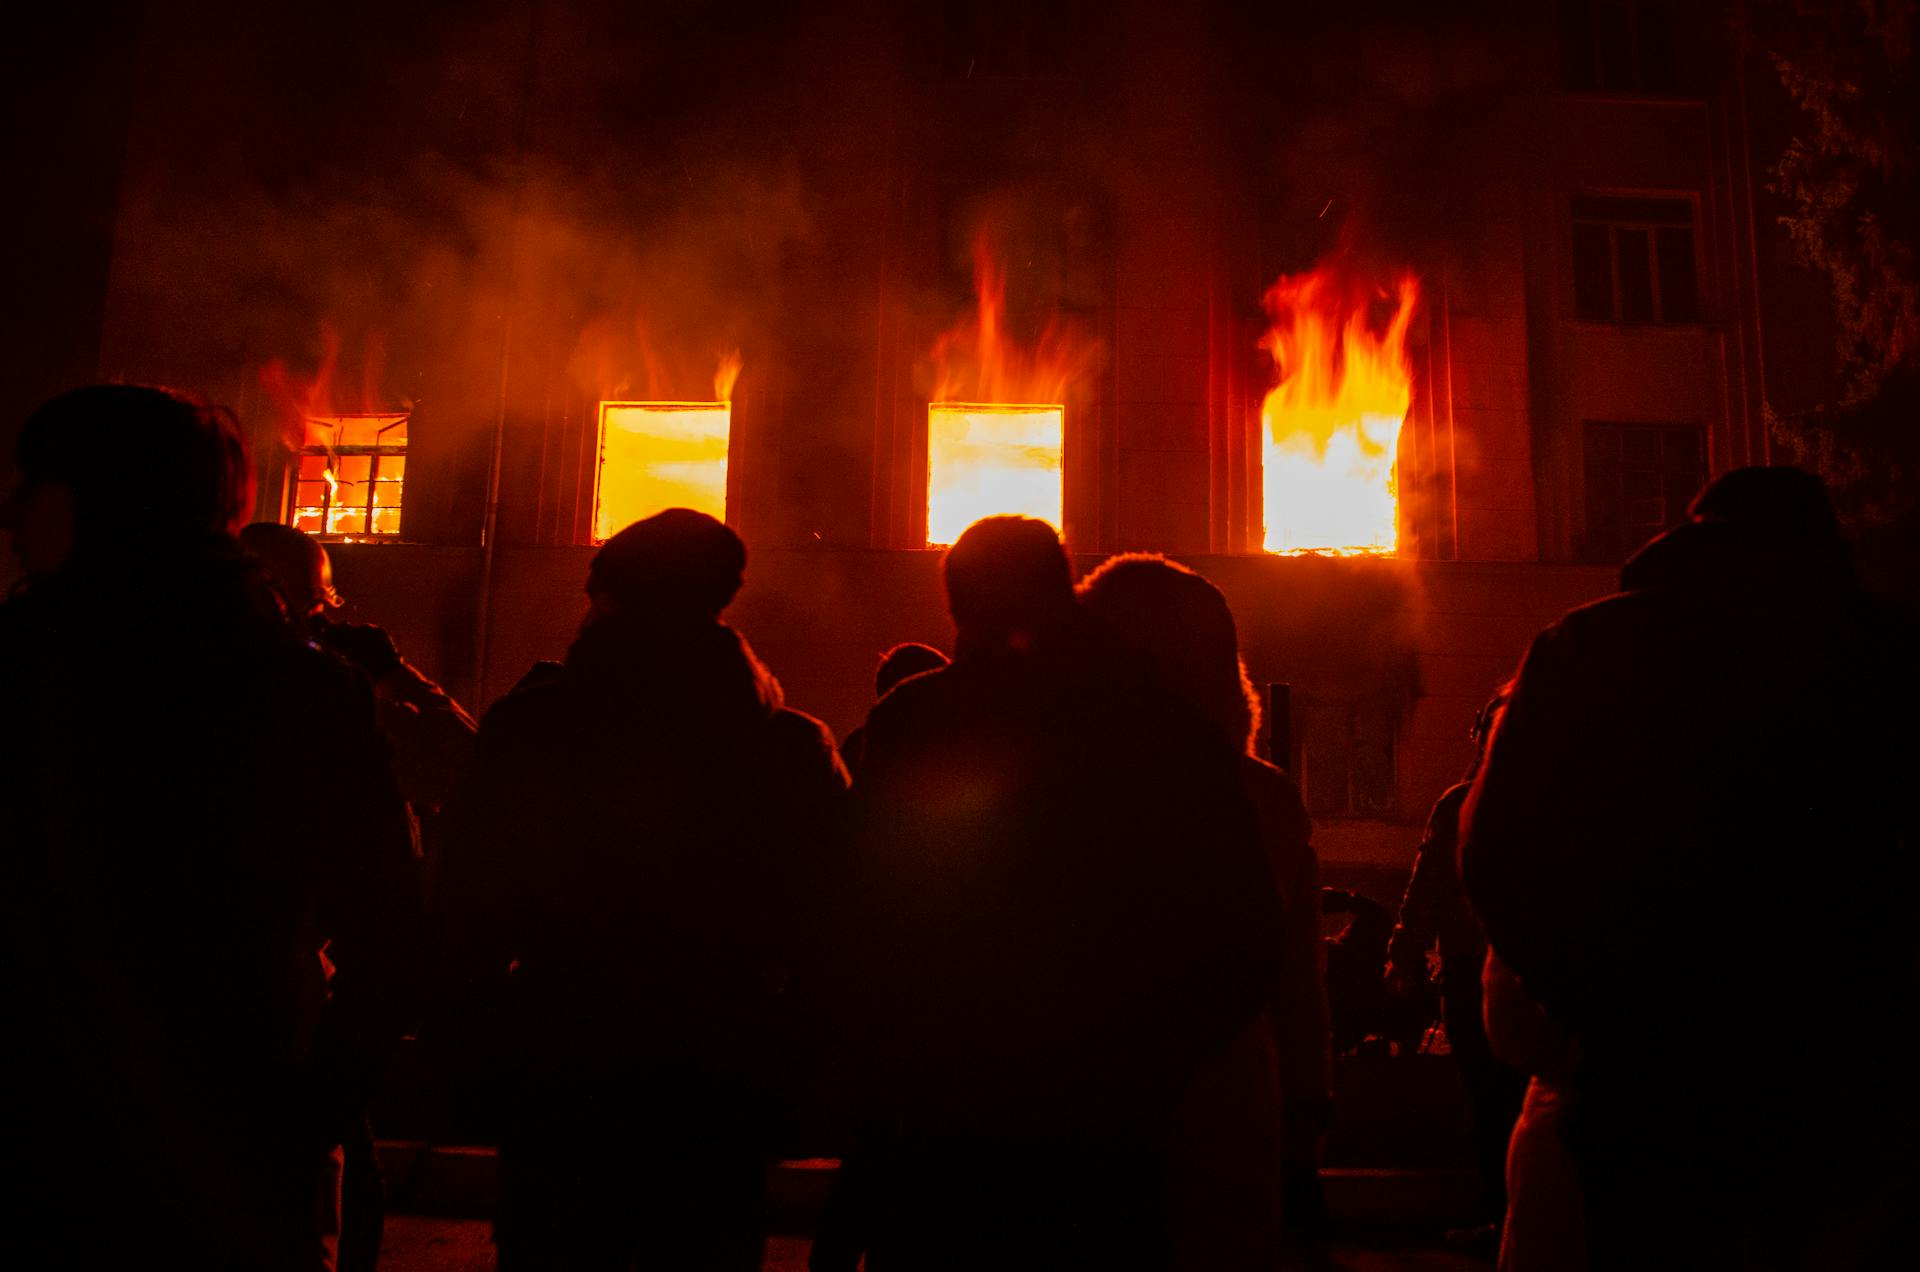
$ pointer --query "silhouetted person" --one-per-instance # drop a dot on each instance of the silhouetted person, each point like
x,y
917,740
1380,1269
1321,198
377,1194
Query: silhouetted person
x,y
1248,1136
1061,910
637,839
1435,916
1682,771
197,803
431,739
902,662
431,734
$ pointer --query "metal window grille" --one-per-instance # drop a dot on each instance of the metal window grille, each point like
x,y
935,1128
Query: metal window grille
x,y
350,477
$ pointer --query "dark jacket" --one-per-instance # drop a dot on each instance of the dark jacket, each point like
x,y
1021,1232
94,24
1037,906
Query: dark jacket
x,y
196,802
636,836
1064,903
1686,777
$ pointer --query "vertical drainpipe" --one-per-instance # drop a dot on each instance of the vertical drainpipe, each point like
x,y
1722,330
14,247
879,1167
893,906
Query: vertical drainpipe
x,y
489,533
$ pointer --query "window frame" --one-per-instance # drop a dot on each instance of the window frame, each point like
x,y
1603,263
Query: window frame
x,y
1649,226
1625,540
333,454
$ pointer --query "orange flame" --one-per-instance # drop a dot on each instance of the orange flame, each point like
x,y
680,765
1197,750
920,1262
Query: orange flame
x,y
298,399
996,426
1331,426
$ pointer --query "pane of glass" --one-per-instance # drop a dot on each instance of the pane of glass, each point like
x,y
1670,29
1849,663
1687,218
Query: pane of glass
x,y
354,469
1592,273
312,467
310,494
1641,447
386,494
1636,275
1657,62
1576,17
1641,484
1613,32
347,521
386,520
393,467
1679,284
312,520
372,430
1686,447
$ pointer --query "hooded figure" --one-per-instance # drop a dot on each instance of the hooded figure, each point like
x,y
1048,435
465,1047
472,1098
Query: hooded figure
x,y
1682,773
635,830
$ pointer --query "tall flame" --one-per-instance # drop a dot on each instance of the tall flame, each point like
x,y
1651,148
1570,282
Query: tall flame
x,y
1331,426
996,425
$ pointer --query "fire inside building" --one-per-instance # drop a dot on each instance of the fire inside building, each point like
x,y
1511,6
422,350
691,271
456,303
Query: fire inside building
x,y
1405,325
1406,332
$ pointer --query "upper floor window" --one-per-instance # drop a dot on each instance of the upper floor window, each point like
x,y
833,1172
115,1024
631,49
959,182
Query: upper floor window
x,y
350,475
1620,46
1640,479
1633,260
660,455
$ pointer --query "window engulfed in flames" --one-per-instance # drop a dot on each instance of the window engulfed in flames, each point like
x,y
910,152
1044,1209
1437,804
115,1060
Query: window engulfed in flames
x,y
351,473
659,455
996,426
986,459
1331,427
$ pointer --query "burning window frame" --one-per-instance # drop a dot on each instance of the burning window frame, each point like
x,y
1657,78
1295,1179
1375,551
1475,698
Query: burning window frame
x,y
600,528
1054,516
324,442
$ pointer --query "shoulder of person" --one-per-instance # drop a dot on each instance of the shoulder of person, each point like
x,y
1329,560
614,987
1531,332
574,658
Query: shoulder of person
x,y
1275,795
801,731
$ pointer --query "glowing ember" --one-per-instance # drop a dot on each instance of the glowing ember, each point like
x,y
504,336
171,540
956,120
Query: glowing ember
x,y
985,460
659,455
996,429
1331,427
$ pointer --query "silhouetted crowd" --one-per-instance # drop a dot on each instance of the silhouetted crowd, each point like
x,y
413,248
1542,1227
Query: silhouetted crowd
x,y
1044,970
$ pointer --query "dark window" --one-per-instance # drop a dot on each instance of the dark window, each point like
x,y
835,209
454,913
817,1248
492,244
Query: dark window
x,y
1640,479
1633,260
1347,759
1004,39
349,476
1620,46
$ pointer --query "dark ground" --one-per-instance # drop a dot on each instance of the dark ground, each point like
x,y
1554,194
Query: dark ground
x,y
427,1243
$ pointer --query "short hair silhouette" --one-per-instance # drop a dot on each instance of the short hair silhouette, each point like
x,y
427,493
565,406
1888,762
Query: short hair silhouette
x,y
1007,573
909,658
679,562
143,463
1181,623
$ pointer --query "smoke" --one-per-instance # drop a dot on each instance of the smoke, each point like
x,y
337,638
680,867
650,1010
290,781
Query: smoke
x,y
381,197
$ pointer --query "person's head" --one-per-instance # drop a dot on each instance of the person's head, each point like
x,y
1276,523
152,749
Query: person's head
x,y
909,658
114,465
297,567
1008,581
1180,624
1783,505
678,565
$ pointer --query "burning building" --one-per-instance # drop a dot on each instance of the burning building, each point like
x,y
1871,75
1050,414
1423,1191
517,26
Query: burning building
x,y
1404,325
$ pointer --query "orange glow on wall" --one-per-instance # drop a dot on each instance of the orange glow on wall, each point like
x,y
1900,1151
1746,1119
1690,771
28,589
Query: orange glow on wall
x,y
659,455
988,459
1330,429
